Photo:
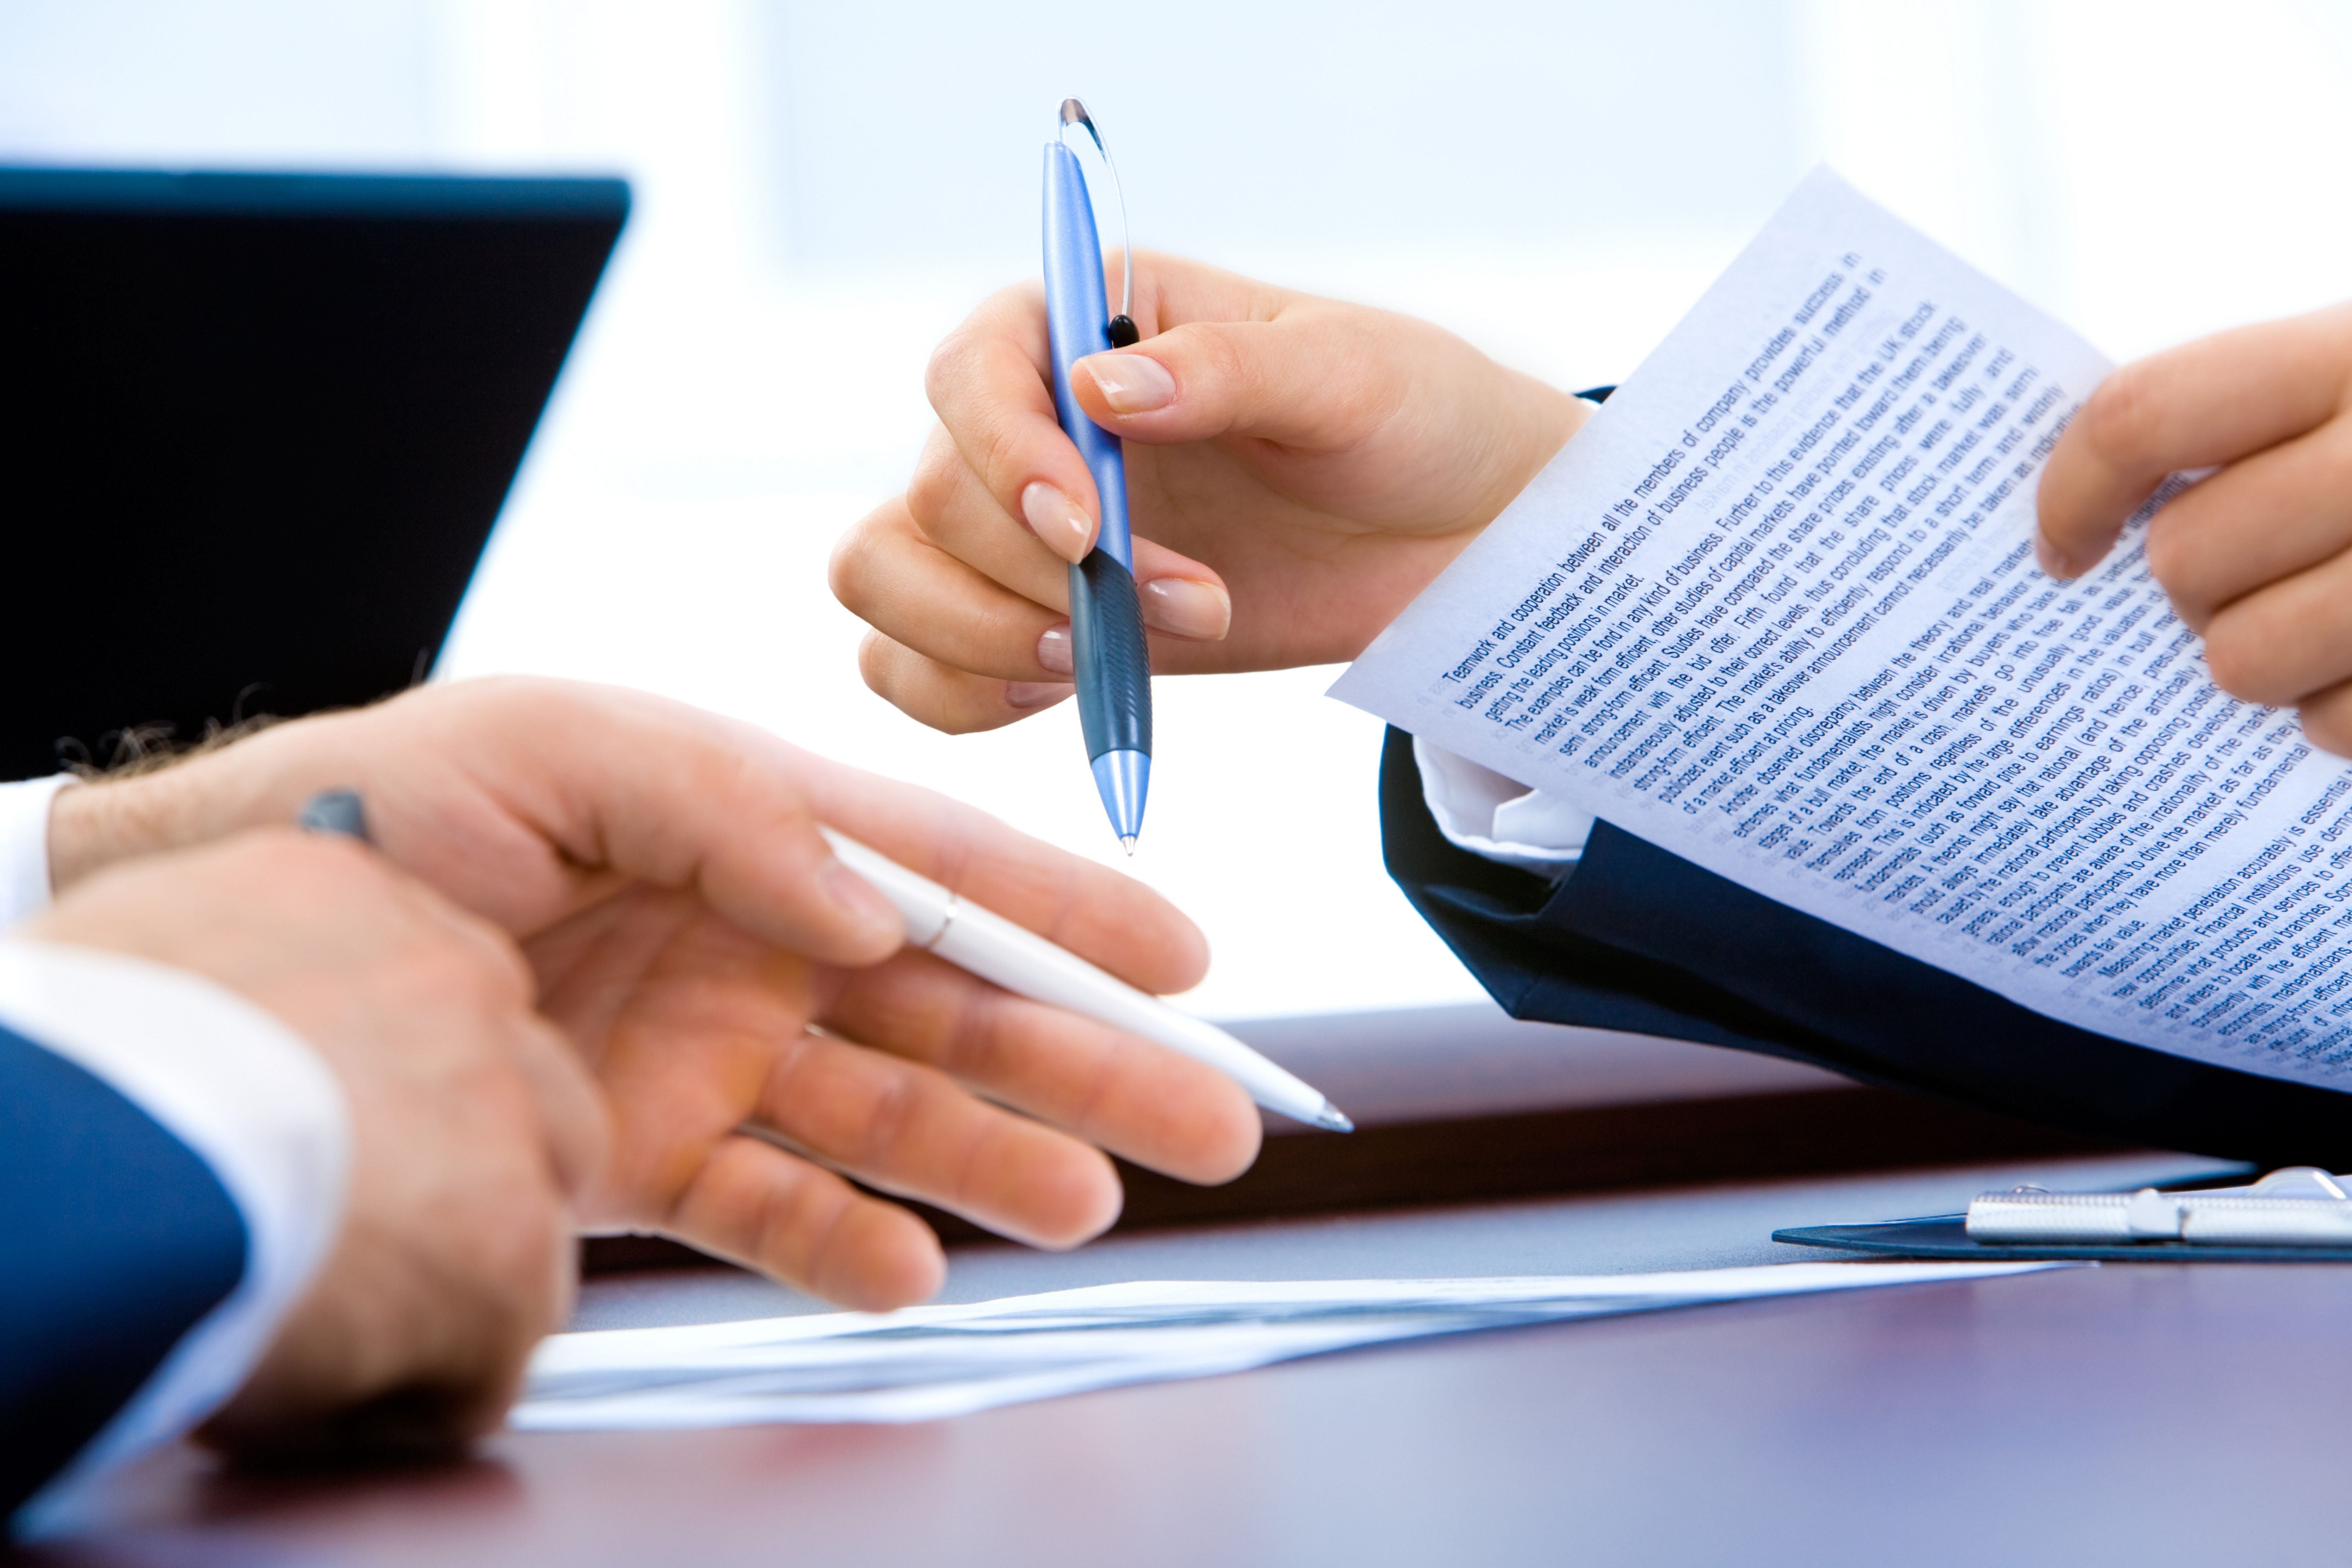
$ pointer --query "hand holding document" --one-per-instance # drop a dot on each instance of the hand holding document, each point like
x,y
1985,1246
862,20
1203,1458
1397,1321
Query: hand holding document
x,y
926,1363
1775,610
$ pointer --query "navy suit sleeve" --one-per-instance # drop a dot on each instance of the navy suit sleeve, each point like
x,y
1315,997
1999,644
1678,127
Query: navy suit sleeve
x,y
1640,940
115,1240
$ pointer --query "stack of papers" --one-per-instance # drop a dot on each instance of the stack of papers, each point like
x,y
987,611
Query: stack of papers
x,y
928,1362
1775,609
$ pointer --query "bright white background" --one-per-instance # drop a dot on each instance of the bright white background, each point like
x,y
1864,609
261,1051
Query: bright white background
x,y
823,190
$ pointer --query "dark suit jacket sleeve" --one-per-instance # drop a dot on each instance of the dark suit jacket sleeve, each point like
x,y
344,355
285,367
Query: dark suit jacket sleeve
x,y
1639,940
115,1240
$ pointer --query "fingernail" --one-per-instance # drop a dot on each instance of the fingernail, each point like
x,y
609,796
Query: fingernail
x,y
1035,693
859,899
1131,384
2052,563
1053,648
1058,519
1187,607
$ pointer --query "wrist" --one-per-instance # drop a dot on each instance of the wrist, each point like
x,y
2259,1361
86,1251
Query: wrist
x,y
94,825
1521,424
218,788
1534,420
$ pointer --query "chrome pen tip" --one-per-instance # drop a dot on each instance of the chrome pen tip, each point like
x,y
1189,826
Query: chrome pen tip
x,y
1122,779
1334,1119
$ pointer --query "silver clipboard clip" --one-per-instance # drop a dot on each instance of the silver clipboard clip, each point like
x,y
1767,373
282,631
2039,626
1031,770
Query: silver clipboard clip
x,y
2301,1206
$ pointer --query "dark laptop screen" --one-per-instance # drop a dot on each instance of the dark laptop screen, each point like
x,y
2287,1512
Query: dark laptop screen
x,y
255,430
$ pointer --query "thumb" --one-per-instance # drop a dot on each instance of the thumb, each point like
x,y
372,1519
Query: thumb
x,y
1309,379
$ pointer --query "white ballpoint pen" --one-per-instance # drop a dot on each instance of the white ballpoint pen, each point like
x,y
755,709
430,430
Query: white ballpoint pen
x,y
979,942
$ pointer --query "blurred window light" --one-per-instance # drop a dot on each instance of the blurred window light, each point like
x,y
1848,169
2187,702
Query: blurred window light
x,y
824,191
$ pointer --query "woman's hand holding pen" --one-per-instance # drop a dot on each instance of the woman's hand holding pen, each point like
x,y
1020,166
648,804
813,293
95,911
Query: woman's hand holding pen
x,y
714,965
2257,557
1298,470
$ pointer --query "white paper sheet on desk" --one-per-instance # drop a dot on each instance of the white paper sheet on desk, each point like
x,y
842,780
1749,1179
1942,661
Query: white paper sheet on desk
x,y
928,1363
1775,609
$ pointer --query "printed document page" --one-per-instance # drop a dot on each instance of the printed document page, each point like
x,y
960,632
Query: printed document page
x,y
928,1363
1775,609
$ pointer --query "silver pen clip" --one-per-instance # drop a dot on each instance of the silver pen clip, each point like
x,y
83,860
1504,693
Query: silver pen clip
x,y
1123,331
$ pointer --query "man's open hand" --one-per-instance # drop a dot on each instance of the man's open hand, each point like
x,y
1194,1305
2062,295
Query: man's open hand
x,y
716,967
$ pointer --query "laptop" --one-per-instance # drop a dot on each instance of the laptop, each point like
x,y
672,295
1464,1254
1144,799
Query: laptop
x,y
255,430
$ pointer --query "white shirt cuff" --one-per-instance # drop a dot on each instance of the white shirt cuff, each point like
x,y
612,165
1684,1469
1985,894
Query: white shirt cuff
x,y
1499,817
25,846
249,1098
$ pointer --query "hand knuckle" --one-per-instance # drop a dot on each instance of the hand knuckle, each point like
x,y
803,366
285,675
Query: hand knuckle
x,y
1002,458
496,955
926,691
330,856
441,975
937,480
851,571
943,710
950,364
878,661
2328,726
476,978
2167,558
1213,348
2241,664
511,973
330,873
525,1238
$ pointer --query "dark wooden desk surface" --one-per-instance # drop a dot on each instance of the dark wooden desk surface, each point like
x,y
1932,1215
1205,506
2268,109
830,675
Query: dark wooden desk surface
x,y
2147,1414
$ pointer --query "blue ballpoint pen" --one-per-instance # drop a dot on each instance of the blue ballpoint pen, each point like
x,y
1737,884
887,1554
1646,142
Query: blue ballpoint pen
x,y
1110,658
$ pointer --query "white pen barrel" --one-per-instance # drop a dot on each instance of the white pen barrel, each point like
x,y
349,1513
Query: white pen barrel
x,y
922,903
987,945
995,948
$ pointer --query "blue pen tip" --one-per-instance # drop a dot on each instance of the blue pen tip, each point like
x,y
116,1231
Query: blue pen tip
x,y
1124,778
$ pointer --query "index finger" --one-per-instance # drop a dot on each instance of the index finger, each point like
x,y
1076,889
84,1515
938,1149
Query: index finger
x,y
1110,919
586,785
2202,403
524,801
991,381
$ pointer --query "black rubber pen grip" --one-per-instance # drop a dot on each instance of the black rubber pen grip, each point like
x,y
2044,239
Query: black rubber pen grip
x,y
1112,662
